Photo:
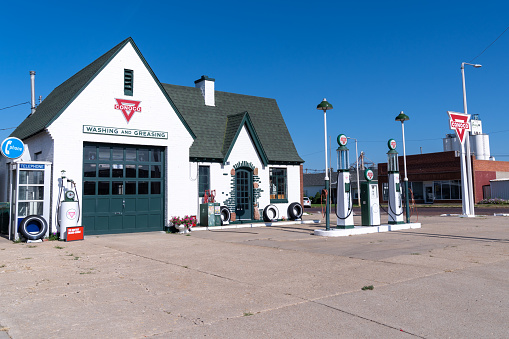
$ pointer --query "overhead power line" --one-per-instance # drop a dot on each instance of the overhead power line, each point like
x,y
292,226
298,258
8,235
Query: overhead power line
x,y
490,44
4,129
23,103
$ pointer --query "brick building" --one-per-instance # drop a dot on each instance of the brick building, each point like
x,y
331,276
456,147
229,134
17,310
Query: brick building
x,y
436,177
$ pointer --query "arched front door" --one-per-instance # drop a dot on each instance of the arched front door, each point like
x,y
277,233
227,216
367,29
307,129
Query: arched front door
x,y
244,194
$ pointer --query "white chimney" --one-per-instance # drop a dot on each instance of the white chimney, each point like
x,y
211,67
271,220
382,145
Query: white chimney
x,y
32,83
206,85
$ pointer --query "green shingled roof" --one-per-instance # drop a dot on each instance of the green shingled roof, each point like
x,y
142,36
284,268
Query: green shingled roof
x,y
213,124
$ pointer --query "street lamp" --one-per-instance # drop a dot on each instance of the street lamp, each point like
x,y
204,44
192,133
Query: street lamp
x,y
324,106
470,197
403,117
358,179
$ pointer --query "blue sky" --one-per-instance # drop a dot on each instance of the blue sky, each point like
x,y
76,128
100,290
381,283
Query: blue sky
x,y
370,59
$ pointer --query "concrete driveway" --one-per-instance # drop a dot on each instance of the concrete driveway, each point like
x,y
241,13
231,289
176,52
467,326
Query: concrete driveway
x,y
445,280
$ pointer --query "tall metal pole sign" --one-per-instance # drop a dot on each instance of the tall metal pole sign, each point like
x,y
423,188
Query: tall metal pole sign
x,y
460,122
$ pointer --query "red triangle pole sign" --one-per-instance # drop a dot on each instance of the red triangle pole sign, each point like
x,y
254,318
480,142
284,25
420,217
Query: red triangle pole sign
x,y
459,122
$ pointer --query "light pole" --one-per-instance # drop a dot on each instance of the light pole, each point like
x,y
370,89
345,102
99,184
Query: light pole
x,y
469,158
324,106
358,179
403,117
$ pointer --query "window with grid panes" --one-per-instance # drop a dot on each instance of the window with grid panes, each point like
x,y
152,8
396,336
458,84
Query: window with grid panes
x,y
278,185
203,179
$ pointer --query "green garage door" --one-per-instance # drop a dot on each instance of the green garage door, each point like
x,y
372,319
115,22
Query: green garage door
x,y
123,188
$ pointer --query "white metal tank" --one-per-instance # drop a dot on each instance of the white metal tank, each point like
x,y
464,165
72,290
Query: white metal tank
x,y
480,146
451,143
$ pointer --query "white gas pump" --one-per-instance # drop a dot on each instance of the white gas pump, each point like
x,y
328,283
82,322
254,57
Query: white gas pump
x,y
370,206
344,208
395,201
68,210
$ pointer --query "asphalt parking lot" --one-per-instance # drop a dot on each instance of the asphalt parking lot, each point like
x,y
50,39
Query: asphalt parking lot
x,y
447,279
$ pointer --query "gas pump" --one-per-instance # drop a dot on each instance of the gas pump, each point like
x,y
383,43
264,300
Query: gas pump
x,y
395,200
370,207
344,206
67,210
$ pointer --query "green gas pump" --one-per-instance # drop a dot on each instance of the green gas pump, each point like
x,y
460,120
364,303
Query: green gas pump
x,y
370,207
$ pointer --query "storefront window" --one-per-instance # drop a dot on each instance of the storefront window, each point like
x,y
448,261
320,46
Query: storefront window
x,y
417,190
278,184
447,190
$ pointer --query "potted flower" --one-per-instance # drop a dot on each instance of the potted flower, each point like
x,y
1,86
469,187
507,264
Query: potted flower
x,y
183,224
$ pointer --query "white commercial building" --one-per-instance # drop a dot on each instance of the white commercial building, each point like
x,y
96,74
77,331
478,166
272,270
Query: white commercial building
x,y
141,152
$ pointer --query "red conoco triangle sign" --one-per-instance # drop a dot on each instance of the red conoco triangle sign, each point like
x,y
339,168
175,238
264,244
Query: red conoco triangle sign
x,y
128,107
459,122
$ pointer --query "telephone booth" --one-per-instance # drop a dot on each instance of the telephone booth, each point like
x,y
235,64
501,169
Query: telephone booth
x,y
29,192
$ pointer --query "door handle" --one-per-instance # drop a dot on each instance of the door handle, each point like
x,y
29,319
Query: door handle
x,y
123,205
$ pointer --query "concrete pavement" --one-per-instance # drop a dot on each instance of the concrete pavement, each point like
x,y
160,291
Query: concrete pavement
x,y
446,279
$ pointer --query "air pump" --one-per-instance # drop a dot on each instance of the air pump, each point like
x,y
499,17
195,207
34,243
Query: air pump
x,y
395,200
68,210
344,206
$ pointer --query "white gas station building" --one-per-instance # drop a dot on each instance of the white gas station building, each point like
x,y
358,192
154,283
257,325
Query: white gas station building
x,y
140,151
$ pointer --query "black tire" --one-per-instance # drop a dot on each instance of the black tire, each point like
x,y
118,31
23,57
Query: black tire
x,y
226,215
32,220
270,213
295,211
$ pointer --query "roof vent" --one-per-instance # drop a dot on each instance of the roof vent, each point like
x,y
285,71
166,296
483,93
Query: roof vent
x,y
206,85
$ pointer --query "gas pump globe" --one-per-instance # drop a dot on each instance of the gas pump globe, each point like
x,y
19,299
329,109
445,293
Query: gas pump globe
x,y
395,200
344,206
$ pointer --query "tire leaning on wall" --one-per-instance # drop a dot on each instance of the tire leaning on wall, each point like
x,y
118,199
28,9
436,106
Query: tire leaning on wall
x,y
226,215
30,220
295,211
270,213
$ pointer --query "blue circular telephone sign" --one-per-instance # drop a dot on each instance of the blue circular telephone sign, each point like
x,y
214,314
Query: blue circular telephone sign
x,y
12,148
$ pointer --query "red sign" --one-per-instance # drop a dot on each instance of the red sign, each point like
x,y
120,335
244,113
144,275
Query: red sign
x,y
74,233
128,107
460,123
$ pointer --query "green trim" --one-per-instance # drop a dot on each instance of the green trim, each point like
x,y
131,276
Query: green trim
x,y
277,201
246,120
100,70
